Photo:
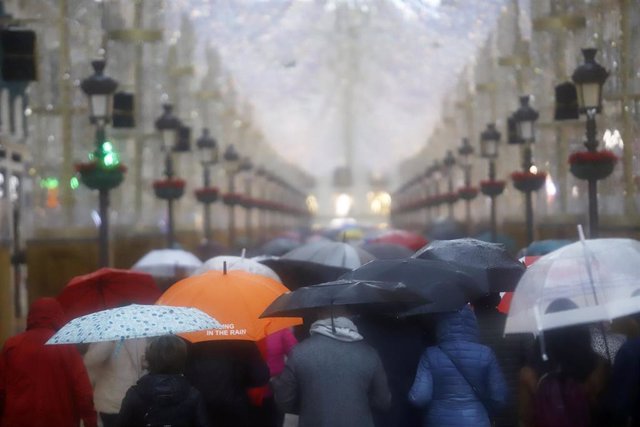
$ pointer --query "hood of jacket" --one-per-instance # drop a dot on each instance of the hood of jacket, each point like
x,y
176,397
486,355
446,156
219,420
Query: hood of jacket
x,y
168,389
457,326
45,313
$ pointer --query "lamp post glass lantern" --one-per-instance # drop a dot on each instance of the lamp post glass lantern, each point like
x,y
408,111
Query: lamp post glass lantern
x,y
489,141
589,79
465,151
100,89
168,126
208,148
231,165
525,118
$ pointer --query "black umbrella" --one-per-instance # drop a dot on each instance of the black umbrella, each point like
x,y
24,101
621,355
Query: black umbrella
x,y
444,284
278,246
387,250
490,263
356,295
295,274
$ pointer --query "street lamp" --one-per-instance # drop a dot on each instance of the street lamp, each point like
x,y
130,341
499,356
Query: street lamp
x,y
208,149
231,166
529,180
489,141
589,78
448,162
246,166
468,193
104,171
170,189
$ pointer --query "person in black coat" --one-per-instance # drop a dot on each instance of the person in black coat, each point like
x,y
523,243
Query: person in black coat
x,y
223,371
163,397
510,350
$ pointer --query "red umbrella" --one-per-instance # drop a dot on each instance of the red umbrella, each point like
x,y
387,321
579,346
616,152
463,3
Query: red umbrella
x,y
404,238
505,303
107,288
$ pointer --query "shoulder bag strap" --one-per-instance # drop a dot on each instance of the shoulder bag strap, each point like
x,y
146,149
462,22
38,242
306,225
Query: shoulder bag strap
x,y
475,389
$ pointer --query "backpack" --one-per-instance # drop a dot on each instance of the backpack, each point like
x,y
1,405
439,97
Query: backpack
x,y
165,411
560,402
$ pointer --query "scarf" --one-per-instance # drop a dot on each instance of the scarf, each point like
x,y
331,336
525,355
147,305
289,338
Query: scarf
x,y
338,328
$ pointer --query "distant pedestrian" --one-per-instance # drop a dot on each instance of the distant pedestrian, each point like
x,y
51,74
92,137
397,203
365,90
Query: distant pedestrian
x,y
458,382
164,397
333,378
44,385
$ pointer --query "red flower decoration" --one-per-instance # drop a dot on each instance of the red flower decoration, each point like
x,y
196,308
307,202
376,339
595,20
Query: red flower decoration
x,y
169,183
602,156
91,166
468,193
528,176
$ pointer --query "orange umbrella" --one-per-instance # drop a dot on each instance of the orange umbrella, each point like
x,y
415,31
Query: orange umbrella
x,y
236,299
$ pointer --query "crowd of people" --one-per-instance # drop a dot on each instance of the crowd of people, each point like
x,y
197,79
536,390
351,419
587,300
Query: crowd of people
x,y
450,369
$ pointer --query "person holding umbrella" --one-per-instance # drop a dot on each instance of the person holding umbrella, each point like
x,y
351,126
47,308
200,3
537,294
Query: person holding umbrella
x,y
333,378
42,385
458,382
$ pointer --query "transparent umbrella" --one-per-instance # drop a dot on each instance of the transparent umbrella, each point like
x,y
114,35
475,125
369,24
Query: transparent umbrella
x,y
587,281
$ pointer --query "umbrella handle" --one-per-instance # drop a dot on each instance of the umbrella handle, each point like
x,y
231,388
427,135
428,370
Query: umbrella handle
x,y
543,347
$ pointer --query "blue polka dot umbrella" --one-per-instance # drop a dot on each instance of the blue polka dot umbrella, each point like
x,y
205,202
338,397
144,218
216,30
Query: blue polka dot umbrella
x,y
133,321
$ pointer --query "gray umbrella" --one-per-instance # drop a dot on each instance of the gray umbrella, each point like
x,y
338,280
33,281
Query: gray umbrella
x,y
336,254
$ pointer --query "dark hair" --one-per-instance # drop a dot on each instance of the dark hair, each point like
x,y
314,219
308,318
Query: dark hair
x,y
166,355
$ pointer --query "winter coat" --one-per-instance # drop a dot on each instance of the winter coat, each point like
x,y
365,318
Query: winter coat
x,y
159,399
332,383
623,394
43,385
400,344
510,351
223,371
113,368
439,387
278,345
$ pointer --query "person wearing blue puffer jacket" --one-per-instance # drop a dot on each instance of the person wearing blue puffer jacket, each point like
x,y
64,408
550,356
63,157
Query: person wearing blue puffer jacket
x,y
458,381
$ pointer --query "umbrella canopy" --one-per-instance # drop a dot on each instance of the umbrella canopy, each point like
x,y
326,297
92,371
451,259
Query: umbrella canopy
x,y
236,298
168,263
296,274
229,262
584,282
441,282
404,238
507,241
337,254
133,321
505,302
278,246
356,295
490,263
387,250
107,288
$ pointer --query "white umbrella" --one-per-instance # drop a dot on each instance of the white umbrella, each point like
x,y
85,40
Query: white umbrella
x,y
336,254
229,262
167,263
587,281
133,321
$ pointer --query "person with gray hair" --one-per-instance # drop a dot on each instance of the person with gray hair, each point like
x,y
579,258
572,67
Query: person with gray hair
x,y
333,378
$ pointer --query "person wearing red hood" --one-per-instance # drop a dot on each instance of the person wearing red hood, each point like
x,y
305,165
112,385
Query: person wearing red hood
x,y
43,385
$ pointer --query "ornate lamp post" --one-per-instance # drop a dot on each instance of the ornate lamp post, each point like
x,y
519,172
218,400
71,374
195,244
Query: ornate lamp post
x,y
436,175
591,165
231,166
171,188
448,163
467,193
103,172
489,140
246,166
529,180
208,149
